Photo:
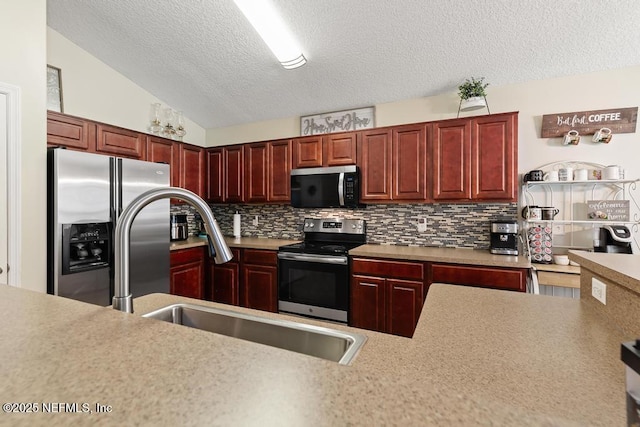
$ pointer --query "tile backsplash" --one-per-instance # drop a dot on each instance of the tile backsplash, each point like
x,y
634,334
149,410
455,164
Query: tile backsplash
x,y
448,225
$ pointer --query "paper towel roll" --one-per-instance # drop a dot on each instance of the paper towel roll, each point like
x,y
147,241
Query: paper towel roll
x,y
236,225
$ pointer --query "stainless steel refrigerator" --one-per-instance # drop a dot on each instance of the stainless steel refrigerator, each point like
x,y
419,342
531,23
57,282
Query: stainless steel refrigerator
x,y
86,194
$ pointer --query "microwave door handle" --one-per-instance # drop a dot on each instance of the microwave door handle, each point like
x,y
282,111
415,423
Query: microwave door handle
x,y
341,189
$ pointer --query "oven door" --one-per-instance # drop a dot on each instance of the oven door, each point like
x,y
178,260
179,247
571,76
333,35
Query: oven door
x,y
314,285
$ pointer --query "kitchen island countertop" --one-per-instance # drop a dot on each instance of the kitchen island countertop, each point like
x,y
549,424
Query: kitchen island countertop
x,y
478,357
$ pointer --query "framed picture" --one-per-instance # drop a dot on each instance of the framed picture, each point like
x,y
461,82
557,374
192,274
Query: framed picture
x,y
54,89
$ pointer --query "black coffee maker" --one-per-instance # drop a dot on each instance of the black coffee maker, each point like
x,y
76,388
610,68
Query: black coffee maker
x,y
504,237
613,239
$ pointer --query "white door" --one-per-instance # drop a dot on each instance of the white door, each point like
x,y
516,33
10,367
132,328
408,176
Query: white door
x,y
9,184
4,238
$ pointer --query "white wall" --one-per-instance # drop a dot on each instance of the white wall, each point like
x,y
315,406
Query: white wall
x,y
602,90
22,29
93,90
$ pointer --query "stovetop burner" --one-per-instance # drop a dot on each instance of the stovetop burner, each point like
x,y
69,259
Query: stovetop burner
x,y
332,236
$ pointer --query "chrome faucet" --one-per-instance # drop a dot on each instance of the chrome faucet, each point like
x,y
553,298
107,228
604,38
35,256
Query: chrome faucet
x,y
218,248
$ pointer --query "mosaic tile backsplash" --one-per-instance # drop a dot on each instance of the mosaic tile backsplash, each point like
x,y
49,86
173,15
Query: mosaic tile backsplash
x,y
448,225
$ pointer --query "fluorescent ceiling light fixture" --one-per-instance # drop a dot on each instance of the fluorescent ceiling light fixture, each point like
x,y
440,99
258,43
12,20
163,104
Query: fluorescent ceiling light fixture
x,y
264,18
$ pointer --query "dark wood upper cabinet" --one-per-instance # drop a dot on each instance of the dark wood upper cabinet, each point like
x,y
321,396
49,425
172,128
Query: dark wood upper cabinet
x,y
71,132
192,168
215,175
280,171
374,160
234,167
307,152
120,142
161,150
256,172
409,167
475,159
340,149
337,149
451,172
469,159
494,153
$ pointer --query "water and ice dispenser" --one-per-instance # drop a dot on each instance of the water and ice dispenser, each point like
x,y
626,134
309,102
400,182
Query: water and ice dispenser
x,y
85,247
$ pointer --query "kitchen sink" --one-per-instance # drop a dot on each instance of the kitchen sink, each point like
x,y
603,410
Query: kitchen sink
x,y
326,343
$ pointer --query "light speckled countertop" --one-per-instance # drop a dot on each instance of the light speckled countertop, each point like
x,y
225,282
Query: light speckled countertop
x,y
623,269
415,253
242,242
478,357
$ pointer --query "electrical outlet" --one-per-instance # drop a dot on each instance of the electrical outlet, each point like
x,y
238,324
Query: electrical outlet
x,y
422,224
599,290
558,229
255,221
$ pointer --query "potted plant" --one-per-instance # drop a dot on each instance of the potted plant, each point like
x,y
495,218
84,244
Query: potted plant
x,y
472,94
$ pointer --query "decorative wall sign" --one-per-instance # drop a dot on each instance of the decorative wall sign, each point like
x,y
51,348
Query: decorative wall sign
x,y
54,89
619,120
608,210
338,121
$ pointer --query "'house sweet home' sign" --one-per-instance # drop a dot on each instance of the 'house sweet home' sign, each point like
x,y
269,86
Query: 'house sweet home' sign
x,y
338,121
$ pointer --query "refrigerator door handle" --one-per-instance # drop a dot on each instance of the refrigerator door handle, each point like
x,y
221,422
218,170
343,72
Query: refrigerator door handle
x,y
116,188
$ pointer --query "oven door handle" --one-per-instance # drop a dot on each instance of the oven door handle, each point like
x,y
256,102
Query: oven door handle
x,y
342,260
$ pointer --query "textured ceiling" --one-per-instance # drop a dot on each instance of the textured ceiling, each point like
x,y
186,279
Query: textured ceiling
x,y
203,57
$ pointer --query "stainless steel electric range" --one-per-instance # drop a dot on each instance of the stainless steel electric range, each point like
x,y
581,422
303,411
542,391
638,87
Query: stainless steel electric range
x,y
313,276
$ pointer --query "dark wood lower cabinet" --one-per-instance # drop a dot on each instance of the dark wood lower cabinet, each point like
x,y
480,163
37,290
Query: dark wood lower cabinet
x,y
223,281
187,273
391,301
249,280
259,288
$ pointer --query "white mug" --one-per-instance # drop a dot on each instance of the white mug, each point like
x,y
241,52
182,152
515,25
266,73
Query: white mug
x,y
611,172
602,135
580,174
565,174
595,174
572,137
551,176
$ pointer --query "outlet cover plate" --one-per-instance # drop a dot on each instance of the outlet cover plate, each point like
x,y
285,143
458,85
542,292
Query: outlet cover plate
x,y
599,290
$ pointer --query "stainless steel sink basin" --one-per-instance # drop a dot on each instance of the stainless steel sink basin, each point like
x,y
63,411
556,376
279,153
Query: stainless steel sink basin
x,y
325,343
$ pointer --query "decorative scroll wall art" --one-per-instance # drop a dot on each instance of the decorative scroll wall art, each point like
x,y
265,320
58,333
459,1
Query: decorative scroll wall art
x,y
54,89
338,121
619,120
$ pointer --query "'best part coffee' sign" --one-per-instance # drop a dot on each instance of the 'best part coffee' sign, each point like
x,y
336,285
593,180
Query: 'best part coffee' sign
x,y
619,120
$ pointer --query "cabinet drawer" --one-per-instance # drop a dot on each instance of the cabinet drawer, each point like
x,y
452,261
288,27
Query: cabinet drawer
x,y
185,256
490,277
256,256
393,269
559,279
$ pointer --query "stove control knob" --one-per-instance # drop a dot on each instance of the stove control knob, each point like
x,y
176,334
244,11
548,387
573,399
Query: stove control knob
x,y
353,226
310,225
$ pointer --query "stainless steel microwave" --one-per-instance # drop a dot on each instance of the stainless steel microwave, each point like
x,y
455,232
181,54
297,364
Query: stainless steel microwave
x,y
331,187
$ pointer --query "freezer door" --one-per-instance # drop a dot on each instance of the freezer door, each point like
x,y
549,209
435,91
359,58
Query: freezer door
x,y
149,252
78,193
